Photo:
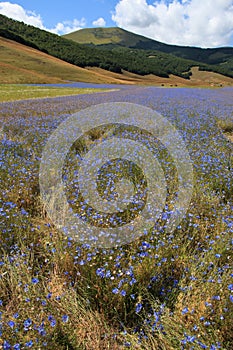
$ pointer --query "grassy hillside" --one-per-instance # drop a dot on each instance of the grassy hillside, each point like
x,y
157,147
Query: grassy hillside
x,y
23,64
119,58
101,36
120,37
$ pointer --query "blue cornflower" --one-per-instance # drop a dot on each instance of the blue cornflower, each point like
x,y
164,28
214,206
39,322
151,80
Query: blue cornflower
x,y
27,323
108,274
203,346
123,293
115,290
127,344
29,344
52,321
16,347
24,212
11,324
185,311
41,330
6,345
138,307
191,338
65,318
133,281
195,327
100,272
35,280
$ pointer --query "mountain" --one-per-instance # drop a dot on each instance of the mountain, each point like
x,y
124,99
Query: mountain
x,y
118,37
23,64
114,58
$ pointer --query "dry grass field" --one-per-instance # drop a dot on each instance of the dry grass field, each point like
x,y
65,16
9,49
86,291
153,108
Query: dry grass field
x,y
20,64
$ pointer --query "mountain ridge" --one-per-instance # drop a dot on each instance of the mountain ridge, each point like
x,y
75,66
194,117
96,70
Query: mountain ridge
x,y
115,58
110,30
116,36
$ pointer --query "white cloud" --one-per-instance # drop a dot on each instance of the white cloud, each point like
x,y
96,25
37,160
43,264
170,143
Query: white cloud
x,y
205,23
17,12
100,22
68,26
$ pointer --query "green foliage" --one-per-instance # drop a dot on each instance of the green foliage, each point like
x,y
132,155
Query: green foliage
x,y
116,58
113,37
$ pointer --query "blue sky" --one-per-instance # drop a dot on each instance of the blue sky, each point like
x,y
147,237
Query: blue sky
x,y
204,23
53,12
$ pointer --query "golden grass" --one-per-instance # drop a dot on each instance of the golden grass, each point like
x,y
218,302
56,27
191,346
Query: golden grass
x,y
13,92
24,65
20,64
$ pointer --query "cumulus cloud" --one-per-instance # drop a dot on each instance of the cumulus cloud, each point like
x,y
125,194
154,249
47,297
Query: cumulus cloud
x,y
100,22
68,26
17,12
205,23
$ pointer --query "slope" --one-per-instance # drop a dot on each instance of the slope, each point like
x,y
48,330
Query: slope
x,y
115,36
23,64
142,62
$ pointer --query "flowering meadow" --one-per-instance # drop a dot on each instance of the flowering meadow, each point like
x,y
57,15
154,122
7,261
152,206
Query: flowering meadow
x,y
163,290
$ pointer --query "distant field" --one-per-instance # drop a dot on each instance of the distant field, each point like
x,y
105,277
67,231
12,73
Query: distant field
x,y
13,92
